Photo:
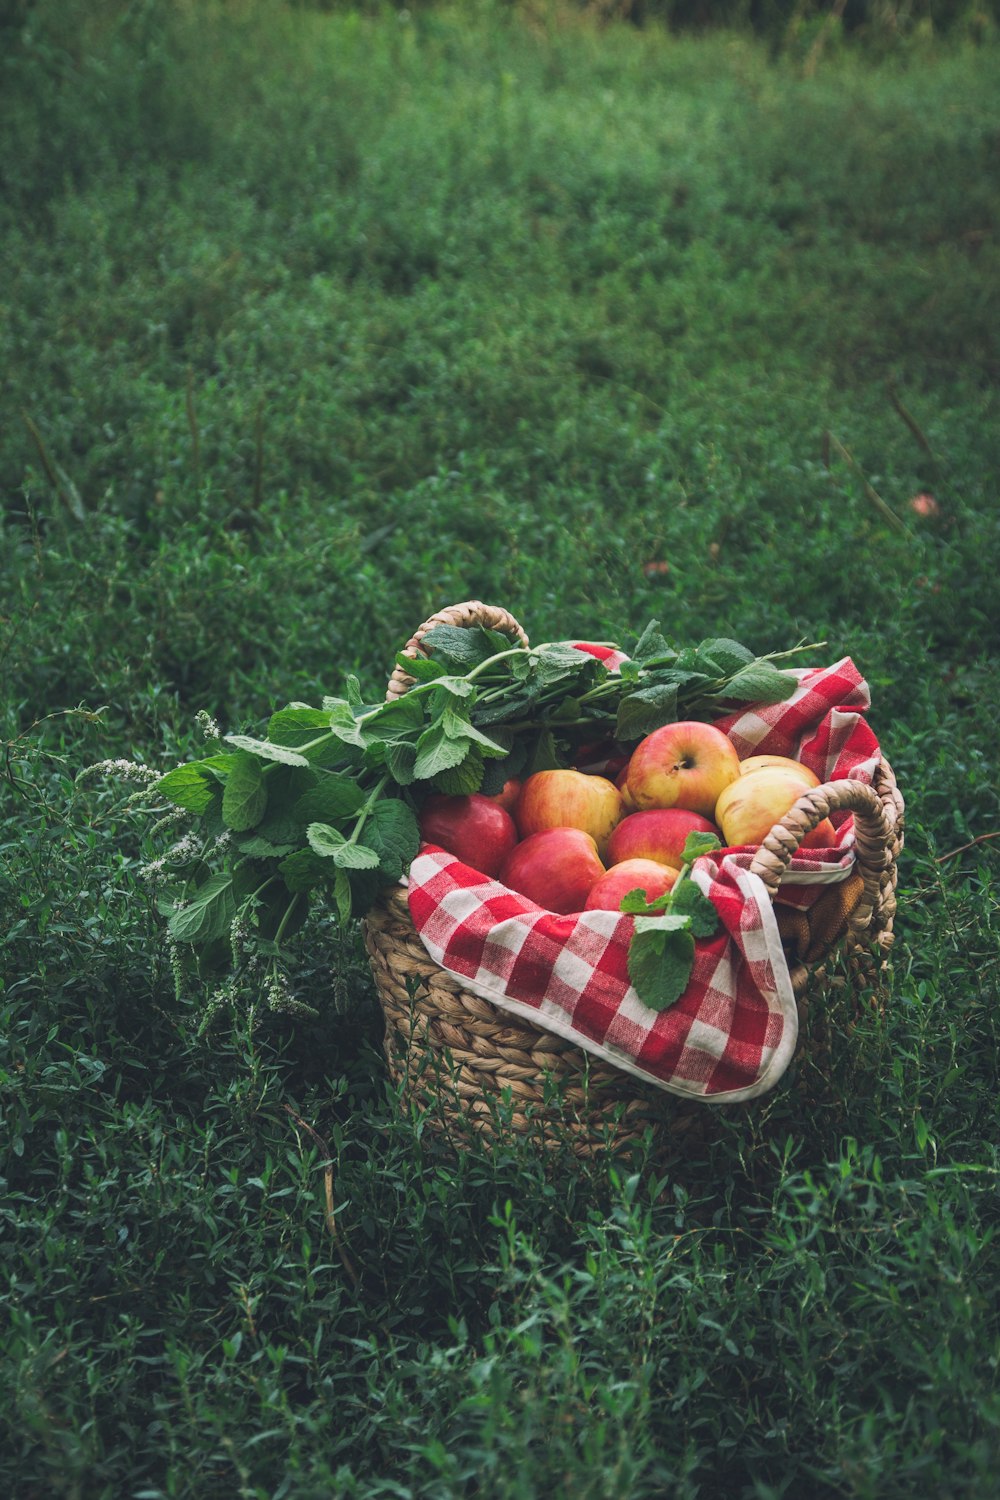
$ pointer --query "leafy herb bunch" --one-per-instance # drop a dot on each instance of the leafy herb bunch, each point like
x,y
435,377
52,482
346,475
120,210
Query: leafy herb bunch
x,y
325,804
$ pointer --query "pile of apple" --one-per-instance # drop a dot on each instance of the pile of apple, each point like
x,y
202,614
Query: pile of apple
x,y
573,840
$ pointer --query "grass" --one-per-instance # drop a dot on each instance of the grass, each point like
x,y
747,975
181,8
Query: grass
x,y
320,322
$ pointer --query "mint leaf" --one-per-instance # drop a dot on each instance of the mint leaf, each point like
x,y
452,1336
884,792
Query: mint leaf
x,y
660,960
209,914
342,722
651,646
689,900
697,844
496,773
254,846
394,720
462,647
420,668
303,870
330,843
646,709
437,752
760,682
297,725
544,755
457,727
400,759
266,750
331,801
724,655
187,787
391,830
460,781
634,903
244,798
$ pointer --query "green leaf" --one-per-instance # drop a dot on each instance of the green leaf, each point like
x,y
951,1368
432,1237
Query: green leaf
x,y
420,668
451,687
344,725
209,914
462,647
333,799
400,759
329,843
266,750
760,683
395,720
460,781
458,727
304,870
497,772
660,960
646,709
543,755
297,725
689,900
244,798
634,903
725,655
342,896
253,846
437,752
513,705
391,830
651,646
187,787
697,844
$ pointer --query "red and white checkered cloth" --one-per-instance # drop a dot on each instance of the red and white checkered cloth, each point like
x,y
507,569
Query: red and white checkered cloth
x,y
733,1031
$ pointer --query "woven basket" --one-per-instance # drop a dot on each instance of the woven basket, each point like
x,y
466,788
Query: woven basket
x,y
465,1065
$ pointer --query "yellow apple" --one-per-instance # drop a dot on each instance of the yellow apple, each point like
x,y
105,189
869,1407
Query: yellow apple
x,y
749,808
781,762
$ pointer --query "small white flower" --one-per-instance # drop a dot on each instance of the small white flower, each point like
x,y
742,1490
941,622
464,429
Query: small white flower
x,y
207,725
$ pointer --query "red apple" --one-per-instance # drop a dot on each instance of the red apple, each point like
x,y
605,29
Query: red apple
x,y
508,794
473,828
555,868
688,764
659,833
783,762
630,875
749,808
569,799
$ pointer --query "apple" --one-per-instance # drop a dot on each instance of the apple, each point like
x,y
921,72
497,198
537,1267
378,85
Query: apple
x,y
763,762
749,808
569,799
508,794
473,828
659,833
629,875
556,868
687,764
621,782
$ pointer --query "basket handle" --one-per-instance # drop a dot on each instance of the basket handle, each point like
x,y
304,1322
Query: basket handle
x,y
873,839
472,612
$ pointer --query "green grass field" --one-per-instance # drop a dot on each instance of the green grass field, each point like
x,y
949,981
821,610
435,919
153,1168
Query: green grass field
x,y
310,325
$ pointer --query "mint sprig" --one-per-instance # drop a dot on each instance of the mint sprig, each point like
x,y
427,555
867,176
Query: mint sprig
x,y
662,950
324,803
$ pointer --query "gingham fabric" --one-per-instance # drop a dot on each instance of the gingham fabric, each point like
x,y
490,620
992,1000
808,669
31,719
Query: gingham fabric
x,y
733,1031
